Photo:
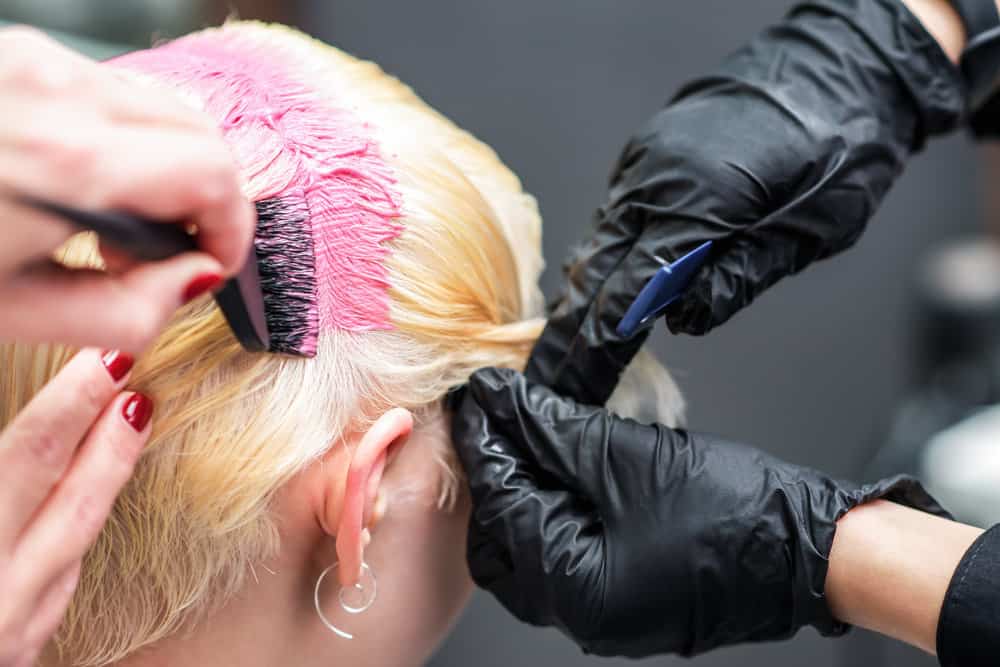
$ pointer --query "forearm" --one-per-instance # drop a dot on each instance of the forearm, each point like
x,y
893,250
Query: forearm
x,y
890,567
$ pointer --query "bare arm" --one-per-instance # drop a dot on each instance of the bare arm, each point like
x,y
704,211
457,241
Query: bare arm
x,y
890,567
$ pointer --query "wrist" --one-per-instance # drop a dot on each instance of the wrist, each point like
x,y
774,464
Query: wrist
x,y
890,567
943,23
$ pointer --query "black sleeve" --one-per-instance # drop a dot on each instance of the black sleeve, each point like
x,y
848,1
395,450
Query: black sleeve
x,y
985,122
968,632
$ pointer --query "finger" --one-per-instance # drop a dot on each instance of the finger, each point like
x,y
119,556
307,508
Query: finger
x,y
717,292
572,445
586,362
52,606
545,548
204,188
81,307
526,531
551,361
32,235
35,64
490,429
72,517
36,448
750,264
580,354
134,98
165,174
750,258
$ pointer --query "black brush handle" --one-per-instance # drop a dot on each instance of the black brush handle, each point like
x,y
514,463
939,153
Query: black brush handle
x,y
242,302
139,237
240,299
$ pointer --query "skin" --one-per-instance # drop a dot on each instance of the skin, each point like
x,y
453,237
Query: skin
x,y
881,549
79,134
890,568
71,433
415,551
82,135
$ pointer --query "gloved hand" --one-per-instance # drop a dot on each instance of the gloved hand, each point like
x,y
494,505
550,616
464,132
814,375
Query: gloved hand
x,y
638,540
780,156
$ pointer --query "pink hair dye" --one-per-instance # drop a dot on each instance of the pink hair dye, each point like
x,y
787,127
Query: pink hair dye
x,y
294,144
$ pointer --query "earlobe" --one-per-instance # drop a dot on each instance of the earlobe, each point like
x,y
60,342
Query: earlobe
x,y
361,488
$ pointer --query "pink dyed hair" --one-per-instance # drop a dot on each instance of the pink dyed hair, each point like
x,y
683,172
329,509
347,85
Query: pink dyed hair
x,y
293,142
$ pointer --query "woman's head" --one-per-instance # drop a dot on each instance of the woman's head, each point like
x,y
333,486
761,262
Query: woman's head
x,y
263,469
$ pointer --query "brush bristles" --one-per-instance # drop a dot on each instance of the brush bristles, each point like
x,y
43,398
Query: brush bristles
x,y
287,265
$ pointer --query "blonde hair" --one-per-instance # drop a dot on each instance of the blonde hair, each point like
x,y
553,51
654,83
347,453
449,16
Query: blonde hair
x,y
232,428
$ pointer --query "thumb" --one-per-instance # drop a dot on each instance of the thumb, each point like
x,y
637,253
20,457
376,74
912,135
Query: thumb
x,y
547,439
83,307
523,526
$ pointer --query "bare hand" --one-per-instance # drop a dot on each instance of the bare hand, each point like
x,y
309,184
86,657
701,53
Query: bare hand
x,y
78,133
63,460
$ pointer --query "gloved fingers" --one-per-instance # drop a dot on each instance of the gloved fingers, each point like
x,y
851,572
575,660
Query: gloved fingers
x,y
783,243
583,357
524,431
586,270
536,554
724,286
748,264
523,531
498,472
581,365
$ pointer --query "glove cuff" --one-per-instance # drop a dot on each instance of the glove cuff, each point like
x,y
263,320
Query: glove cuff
x,y
981,58
900,489
932,81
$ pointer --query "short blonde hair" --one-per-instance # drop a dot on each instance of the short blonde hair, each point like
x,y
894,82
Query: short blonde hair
x,y
232,428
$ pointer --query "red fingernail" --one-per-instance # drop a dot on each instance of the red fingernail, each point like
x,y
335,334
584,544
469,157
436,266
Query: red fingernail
x,y
117,362
137,411
200,285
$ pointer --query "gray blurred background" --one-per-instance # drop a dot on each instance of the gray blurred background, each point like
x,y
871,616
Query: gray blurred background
x,y
813,373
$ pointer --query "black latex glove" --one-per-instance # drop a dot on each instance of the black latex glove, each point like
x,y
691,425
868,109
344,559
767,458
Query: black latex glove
x,y
781,156
638,540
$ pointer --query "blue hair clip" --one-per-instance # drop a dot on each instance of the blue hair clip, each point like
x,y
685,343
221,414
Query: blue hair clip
x,y
663,288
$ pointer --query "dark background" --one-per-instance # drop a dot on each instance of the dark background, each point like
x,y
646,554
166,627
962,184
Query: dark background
x,y
811,373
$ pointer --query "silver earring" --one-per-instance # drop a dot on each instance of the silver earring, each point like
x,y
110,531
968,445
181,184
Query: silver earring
x,y
353,599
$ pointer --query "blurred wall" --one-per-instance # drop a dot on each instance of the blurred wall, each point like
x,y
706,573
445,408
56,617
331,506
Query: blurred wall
x,y
809,373
138,22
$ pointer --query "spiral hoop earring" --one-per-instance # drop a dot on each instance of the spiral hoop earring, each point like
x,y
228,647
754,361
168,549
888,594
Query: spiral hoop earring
x,y
353,600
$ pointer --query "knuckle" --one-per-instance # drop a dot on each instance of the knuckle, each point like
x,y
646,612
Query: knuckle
x,y
45,449
67,158
25,66
71,158
18,37
41,445
19,69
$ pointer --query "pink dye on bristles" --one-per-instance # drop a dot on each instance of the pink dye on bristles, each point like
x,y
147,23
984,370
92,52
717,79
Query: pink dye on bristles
x,y
288,138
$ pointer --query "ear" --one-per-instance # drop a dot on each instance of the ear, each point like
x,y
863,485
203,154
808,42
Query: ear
x,y
364,475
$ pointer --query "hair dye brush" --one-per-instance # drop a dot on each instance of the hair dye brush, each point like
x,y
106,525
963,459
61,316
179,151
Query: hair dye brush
x,y
266,304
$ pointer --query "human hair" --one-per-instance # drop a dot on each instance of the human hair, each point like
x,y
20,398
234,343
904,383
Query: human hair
x,y
460,287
